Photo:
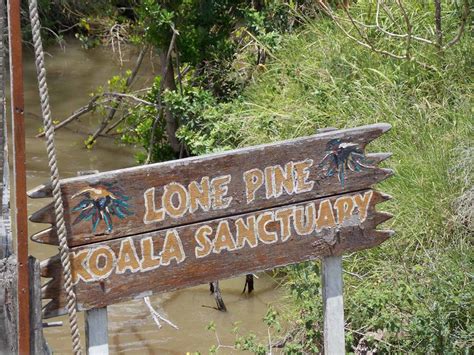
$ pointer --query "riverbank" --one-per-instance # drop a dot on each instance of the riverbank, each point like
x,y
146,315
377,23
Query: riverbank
x,y
413,291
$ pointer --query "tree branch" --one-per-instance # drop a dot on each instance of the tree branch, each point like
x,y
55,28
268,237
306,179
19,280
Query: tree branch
x,y
409,28
368,43
365,42
398,35
164,74
120,95
118,99
76,114
464,18
438,28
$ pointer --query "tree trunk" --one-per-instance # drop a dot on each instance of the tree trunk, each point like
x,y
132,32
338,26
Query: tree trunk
x,y
438,27
168,83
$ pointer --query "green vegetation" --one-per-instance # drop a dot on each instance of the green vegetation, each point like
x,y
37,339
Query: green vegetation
x,y
414,293
210,39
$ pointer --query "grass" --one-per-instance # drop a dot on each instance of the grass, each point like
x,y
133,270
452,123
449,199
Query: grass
x,y
413,293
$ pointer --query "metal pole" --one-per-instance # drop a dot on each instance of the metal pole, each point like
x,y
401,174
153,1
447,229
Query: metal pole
x,y
19,173
333,305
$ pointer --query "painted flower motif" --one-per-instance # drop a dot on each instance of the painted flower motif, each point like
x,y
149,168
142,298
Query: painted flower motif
x,y
342,156
99,203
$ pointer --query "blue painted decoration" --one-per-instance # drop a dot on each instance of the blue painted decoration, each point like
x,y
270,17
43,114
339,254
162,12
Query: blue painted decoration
x,y
342,156
99,203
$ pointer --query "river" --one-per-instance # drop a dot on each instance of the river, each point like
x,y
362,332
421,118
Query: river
x,y
73,73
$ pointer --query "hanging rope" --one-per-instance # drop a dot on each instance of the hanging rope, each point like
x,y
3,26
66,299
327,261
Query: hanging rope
x,y
52,161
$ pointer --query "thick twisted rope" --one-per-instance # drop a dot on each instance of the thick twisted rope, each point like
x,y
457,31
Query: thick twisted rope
x,y
52,161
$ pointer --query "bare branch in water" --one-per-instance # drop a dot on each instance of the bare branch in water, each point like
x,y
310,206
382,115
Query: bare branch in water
x,y
156,316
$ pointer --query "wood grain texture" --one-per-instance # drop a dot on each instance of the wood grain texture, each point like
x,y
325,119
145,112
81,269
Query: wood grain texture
x,y
351,233
38,344
133,182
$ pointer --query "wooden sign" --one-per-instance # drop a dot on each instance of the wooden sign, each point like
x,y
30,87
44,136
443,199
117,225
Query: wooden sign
x,y
166,226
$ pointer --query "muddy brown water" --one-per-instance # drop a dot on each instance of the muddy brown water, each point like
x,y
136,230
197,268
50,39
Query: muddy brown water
x,y
73,73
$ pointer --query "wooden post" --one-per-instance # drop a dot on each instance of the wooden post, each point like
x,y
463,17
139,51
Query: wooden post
x,y
97,334
19,172
38,343
97,342
333,305
8,276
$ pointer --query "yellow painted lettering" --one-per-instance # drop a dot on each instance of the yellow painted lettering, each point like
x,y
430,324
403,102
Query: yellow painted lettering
x,y
199,195
269,182
178,190
325,217
101,262
149,260
151,213
224,240
245,233
305,218
78,267
253,181
302,174
263,234
363,203
204,247
284,179
128,259
283,216
219,191
172,248
344,206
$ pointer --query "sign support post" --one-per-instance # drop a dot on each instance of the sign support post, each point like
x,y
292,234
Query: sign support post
x,y
97,334
333,305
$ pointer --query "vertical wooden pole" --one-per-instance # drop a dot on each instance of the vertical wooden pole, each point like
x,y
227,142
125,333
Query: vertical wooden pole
x,y
38,343
8,272
19,173
97,335
333,305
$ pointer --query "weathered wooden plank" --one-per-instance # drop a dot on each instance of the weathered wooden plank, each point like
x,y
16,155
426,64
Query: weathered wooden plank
x,y
44,215
119,203
41,191
38,344
161,261
46,236
97,334
333,305
8,306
